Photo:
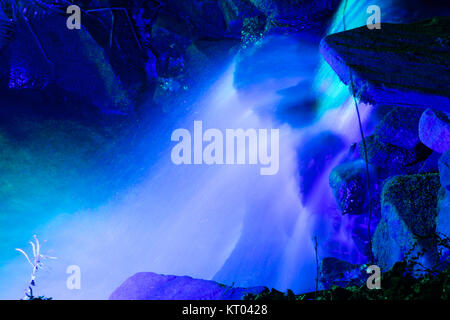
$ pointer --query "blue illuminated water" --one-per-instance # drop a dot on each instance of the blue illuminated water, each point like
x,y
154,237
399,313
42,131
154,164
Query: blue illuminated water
x,y
226,223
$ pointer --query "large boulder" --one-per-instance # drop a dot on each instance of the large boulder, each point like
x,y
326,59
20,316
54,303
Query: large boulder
x,y
78,64
350,188
443,218
400,127
152,286
397,65
392,159
434,130
408,220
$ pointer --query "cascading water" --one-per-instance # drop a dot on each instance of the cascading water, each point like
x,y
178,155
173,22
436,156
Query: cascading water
x,y
226,223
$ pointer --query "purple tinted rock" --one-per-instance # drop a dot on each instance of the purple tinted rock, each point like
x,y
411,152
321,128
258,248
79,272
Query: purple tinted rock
x,y
397,65
350,189
431,164
391,159
408,216
434,130
400,127
152,286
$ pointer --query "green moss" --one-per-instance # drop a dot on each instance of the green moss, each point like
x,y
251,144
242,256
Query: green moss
x,y
396,284
415,198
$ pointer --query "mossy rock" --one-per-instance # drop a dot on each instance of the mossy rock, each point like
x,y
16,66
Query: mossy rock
x,y
391,159
408,212
400,127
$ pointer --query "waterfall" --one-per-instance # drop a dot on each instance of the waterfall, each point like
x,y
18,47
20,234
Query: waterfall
x,y
221,222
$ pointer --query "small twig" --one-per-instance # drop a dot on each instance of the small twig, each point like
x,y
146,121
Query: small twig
x,y
366,159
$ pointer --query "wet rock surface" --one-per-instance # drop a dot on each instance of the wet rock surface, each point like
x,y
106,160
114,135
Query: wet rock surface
x,y
392,159
397,65
400,127
350,188
402,70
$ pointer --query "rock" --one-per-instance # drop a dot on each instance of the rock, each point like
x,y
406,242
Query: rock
x,y
408,208
205,16
444,171
443,218
397,65
297,16
235,12
80,65
314,157
392,159
152,286
430,165
340,273
349,184
400,127
434,130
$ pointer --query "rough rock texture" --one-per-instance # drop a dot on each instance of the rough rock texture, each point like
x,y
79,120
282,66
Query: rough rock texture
x,y
400,127
77,65
349,184
397,65
408,208
443,218
392,159
434,130
152,286
444,170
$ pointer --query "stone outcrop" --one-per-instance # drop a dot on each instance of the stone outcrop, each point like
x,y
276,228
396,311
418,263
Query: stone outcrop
x,y
391,159
152,286
400,127
349,184
408,220
397,65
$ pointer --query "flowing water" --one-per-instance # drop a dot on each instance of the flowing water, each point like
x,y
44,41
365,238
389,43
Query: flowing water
x,y
221,222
